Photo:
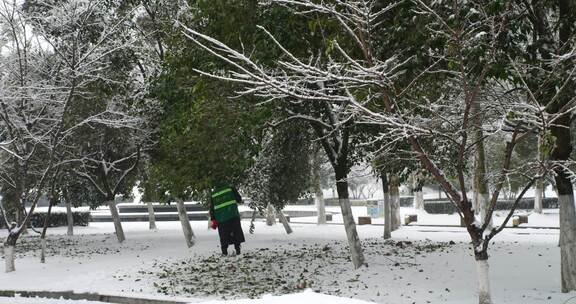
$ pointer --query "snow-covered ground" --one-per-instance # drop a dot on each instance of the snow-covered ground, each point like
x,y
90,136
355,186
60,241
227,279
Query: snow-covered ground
x,y
548,219
307,296
24,300
420,265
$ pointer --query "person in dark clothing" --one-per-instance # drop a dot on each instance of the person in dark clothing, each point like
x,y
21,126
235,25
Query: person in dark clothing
x,y
224,215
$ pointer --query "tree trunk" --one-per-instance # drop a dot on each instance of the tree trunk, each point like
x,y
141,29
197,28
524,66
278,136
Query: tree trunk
x,y
538,201
396,221
480,195
9,257
561,152
20,216
270,215
482,202
43,235
320,207
9,252
538,191
349,224
151,216
186,228
567,231
317,187
116,219
284,222
567,242
567,11
483,273
419,200
387,213
69,218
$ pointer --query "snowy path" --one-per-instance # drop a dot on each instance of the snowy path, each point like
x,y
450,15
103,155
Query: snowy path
x,y
525,267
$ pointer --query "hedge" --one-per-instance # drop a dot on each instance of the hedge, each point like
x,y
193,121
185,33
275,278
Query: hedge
x,y
446,207
405,201
57,219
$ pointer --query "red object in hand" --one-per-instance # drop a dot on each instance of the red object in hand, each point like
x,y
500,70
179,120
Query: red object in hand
x,y
213,224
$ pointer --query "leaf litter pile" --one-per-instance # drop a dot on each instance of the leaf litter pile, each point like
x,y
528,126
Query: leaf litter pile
x,y
324,268
77,246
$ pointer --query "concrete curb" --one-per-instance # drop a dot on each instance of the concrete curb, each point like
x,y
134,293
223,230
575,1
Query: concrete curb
x,y
70,295
436,226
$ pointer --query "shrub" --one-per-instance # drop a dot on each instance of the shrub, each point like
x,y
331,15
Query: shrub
x,y
57,219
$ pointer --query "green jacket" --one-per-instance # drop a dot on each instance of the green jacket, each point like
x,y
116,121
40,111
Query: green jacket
x,y
224,204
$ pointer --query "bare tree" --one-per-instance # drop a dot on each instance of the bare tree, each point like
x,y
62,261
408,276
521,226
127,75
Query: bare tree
x,y
47,72
109,174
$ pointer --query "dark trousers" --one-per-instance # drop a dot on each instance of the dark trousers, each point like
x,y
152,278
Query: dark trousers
x,y
225,248
230,232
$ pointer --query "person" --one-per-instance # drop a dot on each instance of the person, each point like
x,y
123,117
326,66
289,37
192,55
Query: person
x,y
224,215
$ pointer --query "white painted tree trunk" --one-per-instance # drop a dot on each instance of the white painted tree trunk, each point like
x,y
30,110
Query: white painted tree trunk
x,y
483,273
270,215
320,207
43,251
186,228
117,222
567,242
538,196
151,216
539,189
284,222
9,258
317,187
351,233
419,200
69,219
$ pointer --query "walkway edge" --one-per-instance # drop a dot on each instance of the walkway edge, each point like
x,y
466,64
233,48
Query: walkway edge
x,y
88,296
435,226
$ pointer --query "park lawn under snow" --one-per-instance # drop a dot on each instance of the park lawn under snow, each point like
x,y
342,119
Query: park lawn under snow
x,y
420,265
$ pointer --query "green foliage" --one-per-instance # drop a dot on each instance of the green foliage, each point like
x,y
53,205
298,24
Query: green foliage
x,y
204,138
526,151
282,172
547,144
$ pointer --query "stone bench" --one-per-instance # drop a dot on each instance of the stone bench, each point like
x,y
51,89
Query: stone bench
x,y
519,219
364,220
410,218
